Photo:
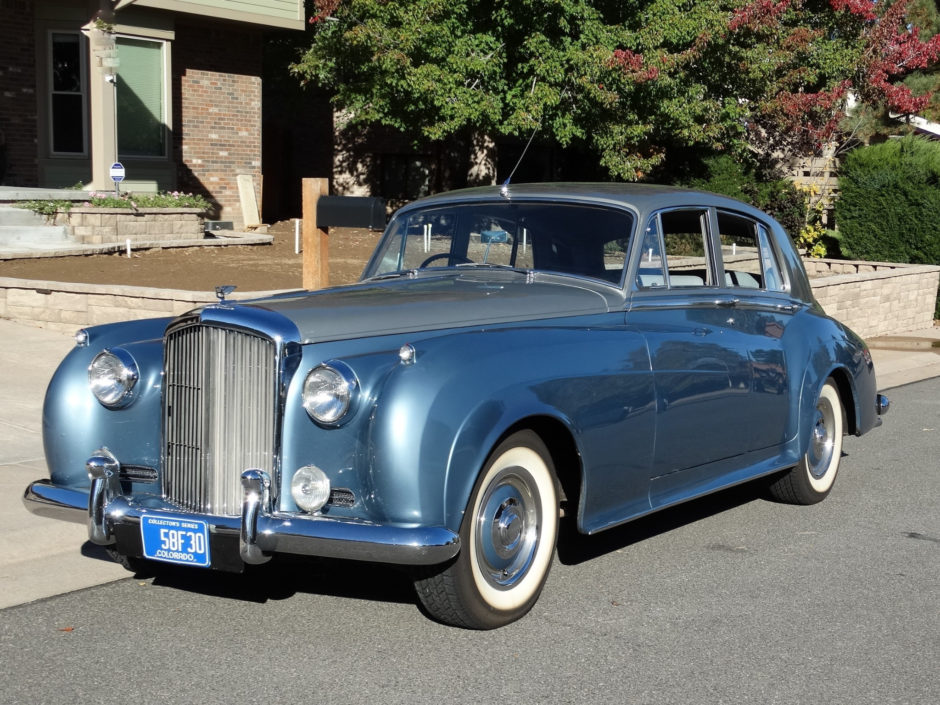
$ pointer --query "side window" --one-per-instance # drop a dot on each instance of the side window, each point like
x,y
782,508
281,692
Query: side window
x,y
685,247
773,275
748,258
740,251
68,93
651,273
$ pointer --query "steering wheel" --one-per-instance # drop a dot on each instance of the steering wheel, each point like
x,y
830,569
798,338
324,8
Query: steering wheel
x,y
456,259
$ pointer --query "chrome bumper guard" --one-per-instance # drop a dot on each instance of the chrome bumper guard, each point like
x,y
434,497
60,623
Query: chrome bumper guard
x,y
882,404
260,532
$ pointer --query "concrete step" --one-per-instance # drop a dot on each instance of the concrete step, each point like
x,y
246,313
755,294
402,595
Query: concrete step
x,y
27,235
11,216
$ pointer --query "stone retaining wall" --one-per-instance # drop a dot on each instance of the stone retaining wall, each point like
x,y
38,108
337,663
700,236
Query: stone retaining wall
x,y
876,298
94,226
872,298
67,306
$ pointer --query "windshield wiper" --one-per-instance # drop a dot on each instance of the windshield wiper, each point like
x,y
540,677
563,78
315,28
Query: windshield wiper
x,y
491,265
393,275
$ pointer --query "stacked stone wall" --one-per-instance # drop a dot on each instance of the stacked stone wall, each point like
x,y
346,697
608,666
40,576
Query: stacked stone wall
x,y
884,299
96,226
67,306
876,298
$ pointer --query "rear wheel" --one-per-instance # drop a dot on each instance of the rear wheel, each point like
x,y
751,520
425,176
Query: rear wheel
x,y
507,539
812,478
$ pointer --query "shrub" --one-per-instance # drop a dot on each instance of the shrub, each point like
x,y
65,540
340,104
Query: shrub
x,y
797,210
46,208
175,199
889,200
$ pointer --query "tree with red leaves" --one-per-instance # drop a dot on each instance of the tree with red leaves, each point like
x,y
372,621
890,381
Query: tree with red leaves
x,y
634,82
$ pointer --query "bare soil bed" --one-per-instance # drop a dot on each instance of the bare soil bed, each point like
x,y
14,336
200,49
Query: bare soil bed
x,y
250,267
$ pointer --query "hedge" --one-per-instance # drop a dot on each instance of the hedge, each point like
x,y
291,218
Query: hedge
x,y
889,202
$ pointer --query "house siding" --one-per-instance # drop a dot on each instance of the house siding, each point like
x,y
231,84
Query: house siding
x,y
288,14
18,109
217,86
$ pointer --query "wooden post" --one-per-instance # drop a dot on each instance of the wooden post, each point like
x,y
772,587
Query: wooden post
x,y
316,271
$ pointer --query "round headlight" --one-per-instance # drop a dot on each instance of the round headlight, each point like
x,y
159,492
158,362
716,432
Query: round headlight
x,y
310,488
112,376
329,392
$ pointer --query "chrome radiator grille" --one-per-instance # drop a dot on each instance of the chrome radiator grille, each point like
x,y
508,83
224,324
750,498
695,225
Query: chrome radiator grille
x,y
219,404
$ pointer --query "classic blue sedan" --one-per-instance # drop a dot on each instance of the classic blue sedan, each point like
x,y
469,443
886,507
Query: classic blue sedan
x,y
511,358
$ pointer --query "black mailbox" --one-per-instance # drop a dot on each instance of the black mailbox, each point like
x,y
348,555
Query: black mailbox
x,y
351,212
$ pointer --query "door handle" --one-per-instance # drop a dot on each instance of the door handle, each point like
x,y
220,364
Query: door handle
x,y
786,308
727,303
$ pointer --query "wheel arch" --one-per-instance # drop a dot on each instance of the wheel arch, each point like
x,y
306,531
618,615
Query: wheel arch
x,y
563,450
843,381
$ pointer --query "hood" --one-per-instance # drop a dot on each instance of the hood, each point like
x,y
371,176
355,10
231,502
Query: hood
x,y
431,303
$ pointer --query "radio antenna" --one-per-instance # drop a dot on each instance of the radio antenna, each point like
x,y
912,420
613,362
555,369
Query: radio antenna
x,y
504,189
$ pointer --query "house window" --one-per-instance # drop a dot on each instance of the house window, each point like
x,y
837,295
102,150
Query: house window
x,y
68,84
141,101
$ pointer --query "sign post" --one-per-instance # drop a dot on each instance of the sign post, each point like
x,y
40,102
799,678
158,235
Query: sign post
x,y
117,176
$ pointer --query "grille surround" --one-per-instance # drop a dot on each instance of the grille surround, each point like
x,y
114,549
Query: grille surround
x,y
220,403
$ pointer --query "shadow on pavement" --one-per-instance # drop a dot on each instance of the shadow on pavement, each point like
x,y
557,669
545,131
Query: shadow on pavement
x,y
283,577
575,548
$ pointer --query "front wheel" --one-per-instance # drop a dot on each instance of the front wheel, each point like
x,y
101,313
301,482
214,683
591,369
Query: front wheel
x,y
138,566
811,479
507,539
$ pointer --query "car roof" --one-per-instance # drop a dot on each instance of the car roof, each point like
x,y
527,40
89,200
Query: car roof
x,y
642,197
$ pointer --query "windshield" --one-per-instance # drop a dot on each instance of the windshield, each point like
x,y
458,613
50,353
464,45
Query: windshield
x,y
568,238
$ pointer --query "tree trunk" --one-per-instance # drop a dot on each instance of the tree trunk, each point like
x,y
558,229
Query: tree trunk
x,y
482,155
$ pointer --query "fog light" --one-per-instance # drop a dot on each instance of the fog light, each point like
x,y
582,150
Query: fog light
x,y
310,488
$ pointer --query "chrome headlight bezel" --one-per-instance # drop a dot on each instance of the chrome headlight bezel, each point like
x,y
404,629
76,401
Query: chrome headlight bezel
x,y
330,393
112,376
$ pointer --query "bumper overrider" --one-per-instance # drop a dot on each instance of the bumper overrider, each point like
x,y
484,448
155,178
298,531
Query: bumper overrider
x,y
260,532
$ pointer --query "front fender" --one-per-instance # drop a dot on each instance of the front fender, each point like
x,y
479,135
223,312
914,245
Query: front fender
x,y
75,424
437,420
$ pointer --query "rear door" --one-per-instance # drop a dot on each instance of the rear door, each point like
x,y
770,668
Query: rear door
x,y
762,309
700,358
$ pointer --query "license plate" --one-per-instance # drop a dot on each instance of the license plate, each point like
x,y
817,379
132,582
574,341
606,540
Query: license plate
x,y
175,540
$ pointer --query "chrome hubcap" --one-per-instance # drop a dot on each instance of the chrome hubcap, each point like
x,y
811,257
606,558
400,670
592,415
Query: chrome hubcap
x,y
823,441
507,528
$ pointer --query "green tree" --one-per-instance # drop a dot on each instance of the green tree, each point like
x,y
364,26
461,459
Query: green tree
x,y
635,81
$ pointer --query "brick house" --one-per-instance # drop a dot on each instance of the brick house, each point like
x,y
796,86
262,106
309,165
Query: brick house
x,y
170,88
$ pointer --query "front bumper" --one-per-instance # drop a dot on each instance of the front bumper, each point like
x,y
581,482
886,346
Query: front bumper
x,y
260,532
